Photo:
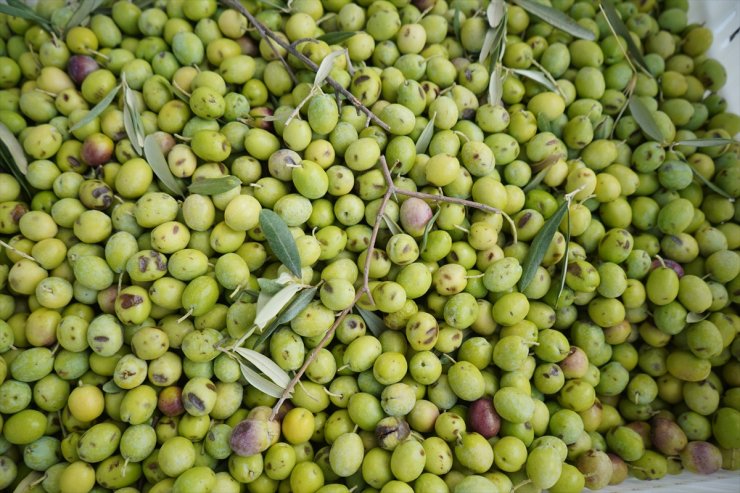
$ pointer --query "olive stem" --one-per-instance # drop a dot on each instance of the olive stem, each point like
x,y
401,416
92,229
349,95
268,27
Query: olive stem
x,y
265,32
443,198
17,252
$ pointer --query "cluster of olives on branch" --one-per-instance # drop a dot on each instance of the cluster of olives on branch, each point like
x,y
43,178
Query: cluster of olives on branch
x,y
515,272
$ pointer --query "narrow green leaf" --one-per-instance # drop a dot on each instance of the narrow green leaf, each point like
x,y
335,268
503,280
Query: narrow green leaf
x,y
325,68
426,136
567,253
15,150
264,364
280,240
7,163
536,76
499,45
110,387
374,322
612,17
23,11
711,185
392,226
644,119
336,37
428,229
539,246
85,8
556,19
704,142
272,286
259,382
214,186
97,109
300,302
275,304
161,169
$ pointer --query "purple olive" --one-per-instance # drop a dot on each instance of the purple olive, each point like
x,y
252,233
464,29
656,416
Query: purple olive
x,y
80,66
415,214
671,264
667,436
701,457
483,417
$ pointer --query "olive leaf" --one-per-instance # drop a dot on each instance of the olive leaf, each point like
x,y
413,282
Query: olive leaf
x,y
295,307
644,119
615,22
374,322
274,4
564,272
15,150
16,8
214,186
543,123
7,163
272,286
426,136
711,185
110,387
97,109
556,19
495,85
83,11
131,119
264,364
539,246
428,228
275,304
495,12
327,64
704,142
693,317
487,45
336,37
161,169
536,76
259,382
29,482
280,240
392,225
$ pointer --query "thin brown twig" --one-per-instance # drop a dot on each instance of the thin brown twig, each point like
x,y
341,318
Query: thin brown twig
x,y
265,32
443,198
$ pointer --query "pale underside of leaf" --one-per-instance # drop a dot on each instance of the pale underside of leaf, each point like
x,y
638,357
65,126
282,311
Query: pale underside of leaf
x,y
14,148
487,45
264,364
693,317
275,304
536,76
300,302
644,119
556,19
259,382
374,322
495,12
327,64
539,246
705,142
161,169
495,85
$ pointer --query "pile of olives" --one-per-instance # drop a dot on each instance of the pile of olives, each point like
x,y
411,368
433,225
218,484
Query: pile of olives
x,y
122,295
